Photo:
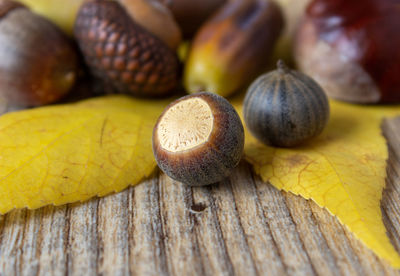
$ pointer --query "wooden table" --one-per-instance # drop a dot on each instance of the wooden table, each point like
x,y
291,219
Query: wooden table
x,y
160,227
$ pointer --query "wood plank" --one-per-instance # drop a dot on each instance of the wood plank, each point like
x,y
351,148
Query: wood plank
x,y
241,226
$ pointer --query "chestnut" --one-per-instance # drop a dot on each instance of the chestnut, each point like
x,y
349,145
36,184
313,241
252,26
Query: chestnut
x,y
351,49
285,107
198,139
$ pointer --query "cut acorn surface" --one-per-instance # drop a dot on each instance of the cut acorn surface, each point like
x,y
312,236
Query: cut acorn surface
x,y
123,54
198,139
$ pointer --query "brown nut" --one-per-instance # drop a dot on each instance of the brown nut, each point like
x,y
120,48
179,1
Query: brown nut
x,y
233,47
198,139
351,49
122,53
155,18
285,107
38,63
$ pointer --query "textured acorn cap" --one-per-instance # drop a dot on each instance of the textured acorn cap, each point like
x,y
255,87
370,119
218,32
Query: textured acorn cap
x,y
122,53
198,139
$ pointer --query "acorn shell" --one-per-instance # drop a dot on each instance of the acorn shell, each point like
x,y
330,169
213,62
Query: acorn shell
x,y
213,160
156,18
38,63
285,108
233,47
123,54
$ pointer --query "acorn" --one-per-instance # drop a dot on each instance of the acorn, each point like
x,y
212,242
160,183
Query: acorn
x,y
156,18
285,107
233,47
38,63
198,139
122,54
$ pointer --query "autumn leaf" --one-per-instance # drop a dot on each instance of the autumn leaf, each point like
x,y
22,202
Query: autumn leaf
x,y
66,153
343,170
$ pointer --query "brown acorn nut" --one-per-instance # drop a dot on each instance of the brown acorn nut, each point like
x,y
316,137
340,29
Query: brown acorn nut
x,y
285,107
198,139
38,63
233,47
123,54
156,18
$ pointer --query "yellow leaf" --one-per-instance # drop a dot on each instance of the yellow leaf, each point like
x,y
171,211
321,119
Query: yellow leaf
x,y
343,170
62,13
66,153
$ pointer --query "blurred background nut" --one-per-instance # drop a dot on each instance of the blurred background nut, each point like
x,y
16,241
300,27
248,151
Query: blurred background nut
x,y
38,63
156,18
352,49
233,47
122,54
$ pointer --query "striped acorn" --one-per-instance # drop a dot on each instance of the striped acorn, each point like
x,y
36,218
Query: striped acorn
x,y
123,54
199,139
285,107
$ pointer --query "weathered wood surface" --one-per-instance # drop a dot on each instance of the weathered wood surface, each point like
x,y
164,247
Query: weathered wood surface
x,y
239,227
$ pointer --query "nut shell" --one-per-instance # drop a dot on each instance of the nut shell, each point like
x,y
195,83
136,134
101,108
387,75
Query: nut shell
x,y
285,108
233,47
211,161
38,63
351,49
162,23
122,53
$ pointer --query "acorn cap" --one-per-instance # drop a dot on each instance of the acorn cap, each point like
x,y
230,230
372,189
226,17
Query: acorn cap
x,y
123,54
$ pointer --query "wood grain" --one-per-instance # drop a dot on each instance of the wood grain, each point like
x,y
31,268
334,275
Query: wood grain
x,y
240,227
